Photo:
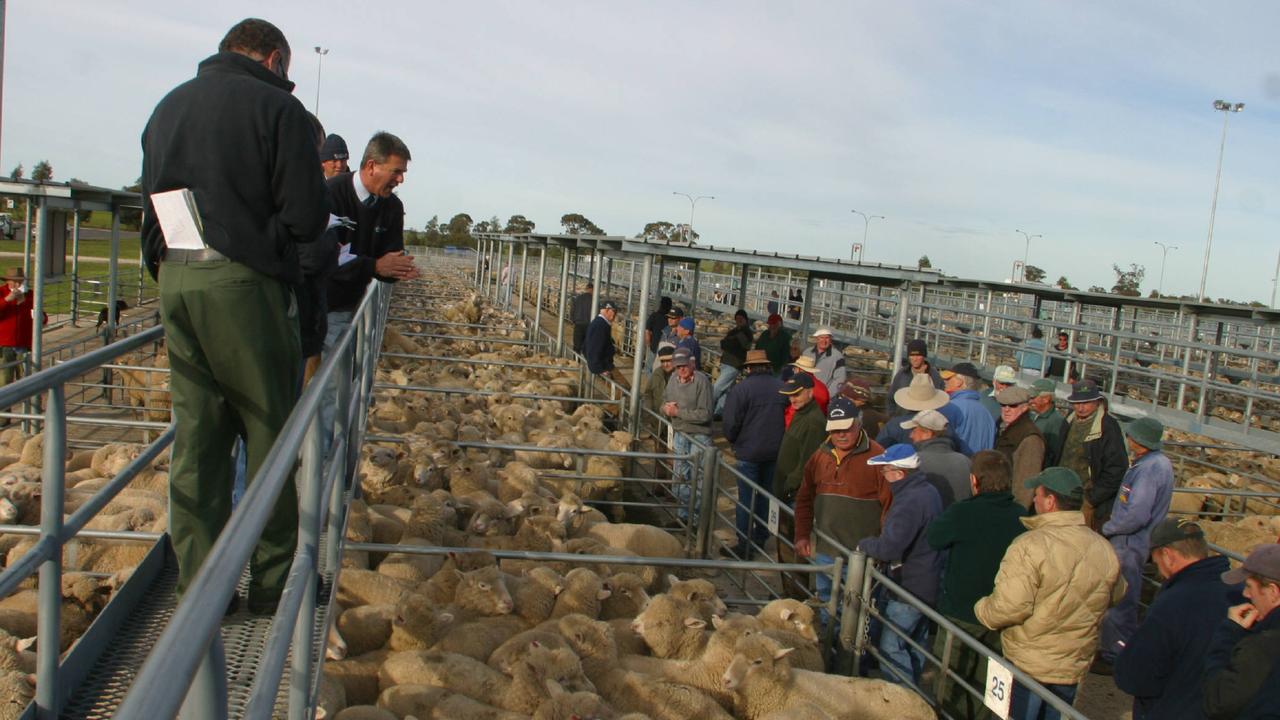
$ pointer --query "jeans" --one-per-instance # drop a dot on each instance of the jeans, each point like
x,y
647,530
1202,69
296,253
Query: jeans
x,y
1121,621
684,473
752,510
822,584
907,660
970,665
1025,705
720,390
338,324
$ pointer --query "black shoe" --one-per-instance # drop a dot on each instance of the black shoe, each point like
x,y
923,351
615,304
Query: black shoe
x,y
733,552
264,606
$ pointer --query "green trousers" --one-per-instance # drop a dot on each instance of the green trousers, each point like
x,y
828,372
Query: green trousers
x,y
235,359
970,665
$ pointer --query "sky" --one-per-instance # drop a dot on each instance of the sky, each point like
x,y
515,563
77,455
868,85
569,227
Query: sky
x,y
1089,123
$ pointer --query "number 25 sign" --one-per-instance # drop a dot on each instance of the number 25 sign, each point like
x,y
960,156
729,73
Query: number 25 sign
x,y
999,688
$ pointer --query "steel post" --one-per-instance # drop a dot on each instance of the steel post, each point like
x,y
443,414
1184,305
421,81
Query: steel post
x,y
49,615
1186,359
697,279
524,270
806,310
596,263
641,350
900,329
706,503
742,286
75,267
564,283
37,284
537,301
311,490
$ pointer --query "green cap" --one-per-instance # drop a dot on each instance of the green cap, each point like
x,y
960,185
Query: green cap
x,y
1063,481
1147,432
1044,385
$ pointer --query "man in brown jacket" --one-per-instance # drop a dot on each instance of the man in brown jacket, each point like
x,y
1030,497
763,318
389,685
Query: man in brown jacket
x,y
1054,585
1019,439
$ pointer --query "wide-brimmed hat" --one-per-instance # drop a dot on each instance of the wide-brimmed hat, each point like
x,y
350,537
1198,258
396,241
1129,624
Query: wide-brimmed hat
x,y
14,273
757,357
1147,432
1084,391
805,363
841,414
1264,561
920,395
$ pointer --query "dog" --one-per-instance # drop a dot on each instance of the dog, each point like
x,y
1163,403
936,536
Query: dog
x,y
102,314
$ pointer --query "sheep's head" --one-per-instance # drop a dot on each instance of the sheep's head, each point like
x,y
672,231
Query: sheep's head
x,y
699,592
754,655
666,617
588,637
794,616
9,512
574,705
559,664
547,578
484,591
628,595
569,507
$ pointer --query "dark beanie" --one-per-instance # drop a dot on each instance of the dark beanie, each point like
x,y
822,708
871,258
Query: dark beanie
x,y
334,148
742,314
917,345
664,304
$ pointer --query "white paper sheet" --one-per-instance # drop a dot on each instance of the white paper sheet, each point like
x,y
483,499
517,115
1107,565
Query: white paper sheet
x,y
344,254
175,209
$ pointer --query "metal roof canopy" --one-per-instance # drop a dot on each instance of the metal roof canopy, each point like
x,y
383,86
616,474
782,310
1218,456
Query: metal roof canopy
x,y
71,196
817,267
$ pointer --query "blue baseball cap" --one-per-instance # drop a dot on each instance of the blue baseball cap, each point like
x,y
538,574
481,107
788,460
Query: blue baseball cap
x,y
902,455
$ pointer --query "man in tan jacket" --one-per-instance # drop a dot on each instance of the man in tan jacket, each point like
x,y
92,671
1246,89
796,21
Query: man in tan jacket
x,y
1054,585
1019,440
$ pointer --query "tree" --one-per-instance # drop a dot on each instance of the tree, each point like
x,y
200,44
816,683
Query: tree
x,y
84,215
923,262
518,224
1031,273
1097,289
577,224
1064,283
42,172
131,218
17,173
661,231
1127,281
459,229
431,233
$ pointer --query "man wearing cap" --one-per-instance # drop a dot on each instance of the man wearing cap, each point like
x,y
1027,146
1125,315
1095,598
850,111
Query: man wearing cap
x,y
228,309
840,494
1004,376
1162,663
733,353
776,342
597,347
580,315
805,433
1094,449
656,383
938,457
859,391
1242,666
687,404
918,396
970,421
1044,411
333,156
17,325
1054,585
974,533
916,363
653,327
669,332
828,362
753,423
687,342
912,562
1143,501
804,366
1030,358
1019,439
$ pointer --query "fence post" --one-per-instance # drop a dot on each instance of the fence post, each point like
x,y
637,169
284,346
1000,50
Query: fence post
x,y
311,492
852,605
207,697
706,502
49,616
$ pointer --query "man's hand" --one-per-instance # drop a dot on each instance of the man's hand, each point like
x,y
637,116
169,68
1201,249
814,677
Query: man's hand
x,y
1244,615
670,409
396,264
804,548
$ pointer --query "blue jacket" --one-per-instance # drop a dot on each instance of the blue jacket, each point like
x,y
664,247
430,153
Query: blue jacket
x,y
691,344
1162,666
892,433
1141,504
1242,671
597,348
902,537
969,422
754,417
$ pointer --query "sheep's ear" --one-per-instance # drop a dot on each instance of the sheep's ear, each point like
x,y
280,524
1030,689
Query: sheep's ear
x,y
445,617
692,622
782,652
25,644
787,614
535,644
717,621
604,593
559,588
672,580
321,713
554,688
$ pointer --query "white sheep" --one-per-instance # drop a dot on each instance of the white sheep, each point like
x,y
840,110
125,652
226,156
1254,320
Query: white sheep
x,y
700,592
627,596
643,540
583,592
672,628
365,628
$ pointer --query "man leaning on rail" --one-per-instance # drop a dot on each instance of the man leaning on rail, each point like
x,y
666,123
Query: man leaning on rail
x,y
228,310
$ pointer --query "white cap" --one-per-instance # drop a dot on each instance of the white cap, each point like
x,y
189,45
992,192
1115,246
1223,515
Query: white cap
x,y
822,331
927,419
1005,374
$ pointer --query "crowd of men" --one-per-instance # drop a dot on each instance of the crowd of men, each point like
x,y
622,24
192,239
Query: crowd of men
x,y
289,239
1025,526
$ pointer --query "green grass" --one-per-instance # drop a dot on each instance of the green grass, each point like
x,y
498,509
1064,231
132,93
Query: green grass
x,y
102,248
57,297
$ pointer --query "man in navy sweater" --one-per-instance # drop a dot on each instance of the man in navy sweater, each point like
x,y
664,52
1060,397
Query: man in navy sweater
x,y
1242,666
1162,663
598,346
754,420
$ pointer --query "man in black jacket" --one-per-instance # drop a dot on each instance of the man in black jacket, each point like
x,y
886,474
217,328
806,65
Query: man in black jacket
x,y
1242,666
580,315
733,353
754,420
1095,449
229,313
598,348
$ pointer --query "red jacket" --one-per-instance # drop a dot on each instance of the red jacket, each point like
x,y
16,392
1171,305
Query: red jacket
x,y
821,395
16,324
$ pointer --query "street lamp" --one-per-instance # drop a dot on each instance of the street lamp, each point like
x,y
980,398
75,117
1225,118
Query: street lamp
x,y
1026,253
319,65
1163,258
693,205
1226,108
866,224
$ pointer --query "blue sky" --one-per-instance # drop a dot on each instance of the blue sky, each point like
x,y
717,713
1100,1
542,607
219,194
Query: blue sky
x,y
1087,122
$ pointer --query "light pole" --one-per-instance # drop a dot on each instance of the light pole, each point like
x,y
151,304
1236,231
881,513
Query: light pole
x,y
1226,108
1163,258
1275,281
693,205
319,65
866,225
1026,253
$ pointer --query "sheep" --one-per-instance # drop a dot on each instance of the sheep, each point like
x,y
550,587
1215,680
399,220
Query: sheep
x,y
651,575
672,628
707,671
515,479
627,597
428,701
763,682
330,696
16,690
358,675
701,593
368,587
365,628
479,639
643,540
522,692
541,533
364,712
583,591
564,705
535,594
506,655
630,691
440,587
418,624
482,592
790,615
577,516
